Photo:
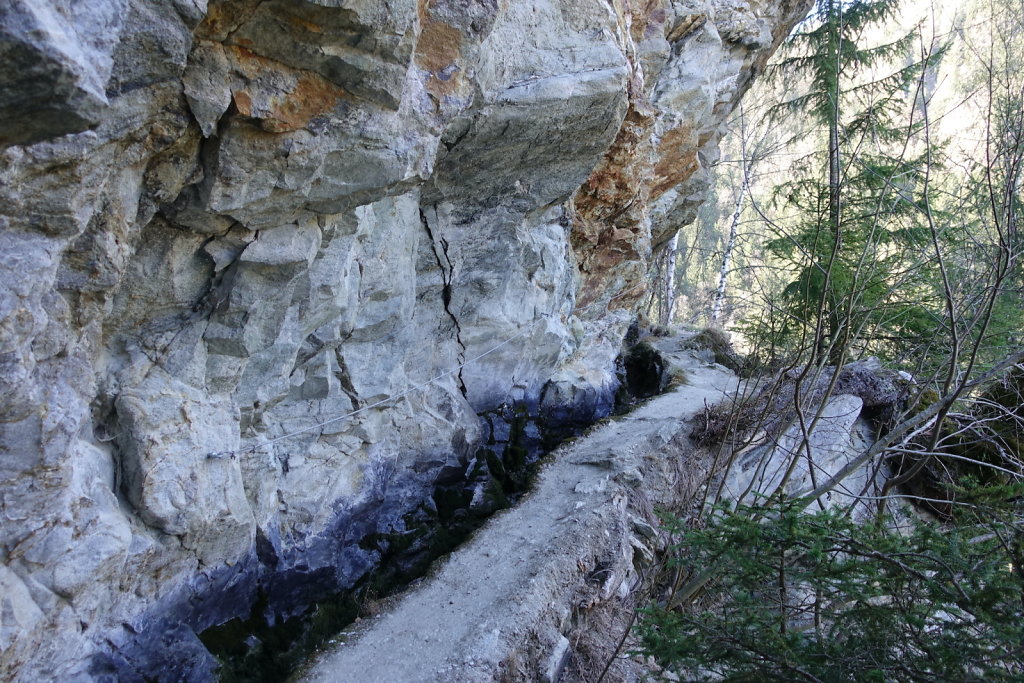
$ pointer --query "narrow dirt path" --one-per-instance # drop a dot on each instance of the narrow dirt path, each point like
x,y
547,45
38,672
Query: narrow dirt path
x,y
513,602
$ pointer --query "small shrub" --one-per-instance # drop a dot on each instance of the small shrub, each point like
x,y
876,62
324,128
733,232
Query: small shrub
x,y
986,440
678,377
816,596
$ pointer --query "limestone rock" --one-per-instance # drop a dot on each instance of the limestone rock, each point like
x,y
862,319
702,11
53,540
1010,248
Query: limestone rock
x,y
265,262
798,461
57,58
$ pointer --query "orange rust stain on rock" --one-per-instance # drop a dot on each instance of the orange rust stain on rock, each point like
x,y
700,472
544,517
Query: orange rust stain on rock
x,y
609,234
422,10
243,103
677,160
439,48
302,23
311,96
306,94
250,64
619,183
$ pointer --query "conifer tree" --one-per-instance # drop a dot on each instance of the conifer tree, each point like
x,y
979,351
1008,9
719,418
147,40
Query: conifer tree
x,y
853,222
778,591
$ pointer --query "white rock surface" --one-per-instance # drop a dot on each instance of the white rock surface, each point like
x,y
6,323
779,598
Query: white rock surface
x,y
226,222
807,455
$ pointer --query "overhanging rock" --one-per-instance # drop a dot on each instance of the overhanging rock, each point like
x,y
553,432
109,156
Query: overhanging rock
x,y
226,223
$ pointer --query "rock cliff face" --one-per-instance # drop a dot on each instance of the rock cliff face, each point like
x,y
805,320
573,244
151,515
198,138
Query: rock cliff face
x,y
227,224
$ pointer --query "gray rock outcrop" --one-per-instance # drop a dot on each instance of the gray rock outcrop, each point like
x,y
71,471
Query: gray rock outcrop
x,y
795,462
787,452
227,224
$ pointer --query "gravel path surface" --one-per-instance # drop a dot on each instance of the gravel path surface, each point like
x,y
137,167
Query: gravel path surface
x,y
505,605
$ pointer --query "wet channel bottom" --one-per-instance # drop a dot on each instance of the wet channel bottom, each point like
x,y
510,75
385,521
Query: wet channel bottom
x,y
254,649
257,650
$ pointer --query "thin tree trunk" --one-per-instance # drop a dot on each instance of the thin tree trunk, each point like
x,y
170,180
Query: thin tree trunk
x,y
831,303
834,170
653,307
834,166
828,338
670,279
723,273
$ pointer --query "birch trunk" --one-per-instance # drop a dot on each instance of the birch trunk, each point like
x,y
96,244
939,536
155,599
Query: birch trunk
x,y
723,273
670,280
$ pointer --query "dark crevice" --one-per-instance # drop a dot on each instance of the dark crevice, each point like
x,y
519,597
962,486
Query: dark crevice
x,y
446,268
460,135
344,377
108,430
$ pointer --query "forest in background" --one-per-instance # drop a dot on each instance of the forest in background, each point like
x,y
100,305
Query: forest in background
x,y
929,129
867,205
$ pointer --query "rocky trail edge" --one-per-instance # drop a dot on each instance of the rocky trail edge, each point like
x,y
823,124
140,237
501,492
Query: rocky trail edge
x,y
543,591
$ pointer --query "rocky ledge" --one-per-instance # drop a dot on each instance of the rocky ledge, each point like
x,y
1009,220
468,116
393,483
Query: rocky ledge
x,y
228,224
